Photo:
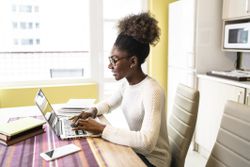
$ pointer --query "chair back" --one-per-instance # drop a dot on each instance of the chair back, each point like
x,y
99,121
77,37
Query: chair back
x,y
182,123
232,146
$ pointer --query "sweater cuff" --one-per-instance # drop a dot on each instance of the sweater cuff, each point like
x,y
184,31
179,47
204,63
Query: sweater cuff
x,y
107,132
102,108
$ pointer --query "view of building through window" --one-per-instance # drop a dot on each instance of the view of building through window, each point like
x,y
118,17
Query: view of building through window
x,y
38,36
41,38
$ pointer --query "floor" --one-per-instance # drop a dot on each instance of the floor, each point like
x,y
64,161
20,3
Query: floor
x,y
194,159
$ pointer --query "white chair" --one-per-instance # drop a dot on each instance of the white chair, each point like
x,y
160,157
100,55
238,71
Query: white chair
x,y
232,146
182,123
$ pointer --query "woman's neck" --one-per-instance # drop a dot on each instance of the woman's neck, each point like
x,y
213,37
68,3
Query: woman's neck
x,y
137,77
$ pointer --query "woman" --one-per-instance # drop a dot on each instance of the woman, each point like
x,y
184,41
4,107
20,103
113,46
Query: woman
x,y
141,98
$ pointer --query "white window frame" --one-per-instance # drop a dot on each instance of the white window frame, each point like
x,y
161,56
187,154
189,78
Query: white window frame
x,y
96,52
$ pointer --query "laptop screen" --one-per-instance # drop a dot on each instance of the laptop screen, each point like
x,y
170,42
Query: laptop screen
x,y
47,111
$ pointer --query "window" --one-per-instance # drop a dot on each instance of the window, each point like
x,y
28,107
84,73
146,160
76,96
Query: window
x,y
38,37
113,10
44,26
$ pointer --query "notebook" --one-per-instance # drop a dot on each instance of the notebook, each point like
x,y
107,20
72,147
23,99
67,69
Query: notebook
x,y
60,125
20,129
20,125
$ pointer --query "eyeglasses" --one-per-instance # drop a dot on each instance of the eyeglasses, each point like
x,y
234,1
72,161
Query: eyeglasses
x,y
114,60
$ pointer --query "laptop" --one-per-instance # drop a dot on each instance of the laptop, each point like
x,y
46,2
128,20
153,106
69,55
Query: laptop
x,y
60,125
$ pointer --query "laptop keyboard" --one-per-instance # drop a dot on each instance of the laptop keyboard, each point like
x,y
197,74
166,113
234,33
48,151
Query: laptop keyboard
x,y
68,129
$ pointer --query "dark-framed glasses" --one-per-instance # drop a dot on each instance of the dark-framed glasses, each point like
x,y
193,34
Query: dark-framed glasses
x,y
113,60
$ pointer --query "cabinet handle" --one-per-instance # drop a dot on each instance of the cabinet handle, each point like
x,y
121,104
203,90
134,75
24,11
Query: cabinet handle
x,y
239,95
247,98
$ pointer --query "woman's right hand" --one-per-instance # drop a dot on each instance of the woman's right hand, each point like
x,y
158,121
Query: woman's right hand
x,y
91,112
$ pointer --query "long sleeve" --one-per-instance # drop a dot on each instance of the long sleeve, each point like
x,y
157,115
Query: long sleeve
x,y
143,106
144,140
111,103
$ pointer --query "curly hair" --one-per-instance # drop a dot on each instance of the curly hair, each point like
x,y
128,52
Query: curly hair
x,y
142,27
136,33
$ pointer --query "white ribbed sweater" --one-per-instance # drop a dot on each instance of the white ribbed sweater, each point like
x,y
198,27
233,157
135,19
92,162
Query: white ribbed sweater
x,y
143,106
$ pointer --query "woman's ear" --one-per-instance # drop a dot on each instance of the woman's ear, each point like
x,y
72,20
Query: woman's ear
x,y
133,61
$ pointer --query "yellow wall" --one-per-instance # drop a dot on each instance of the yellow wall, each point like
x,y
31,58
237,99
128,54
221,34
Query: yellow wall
x,y
158,58
12,97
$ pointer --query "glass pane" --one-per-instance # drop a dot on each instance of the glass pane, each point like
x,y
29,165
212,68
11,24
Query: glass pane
x,y
115,9
47,25
107,71
26,67
68,25
48,28
238,36
109,35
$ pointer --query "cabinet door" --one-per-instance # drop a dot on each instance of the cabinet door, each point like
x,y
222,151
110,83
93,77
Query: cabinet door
x,y
248,97
235,9
213,96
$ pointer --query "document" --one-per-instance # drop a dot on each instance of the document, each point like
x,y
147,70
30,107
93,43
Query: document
x,y
79,103
75,107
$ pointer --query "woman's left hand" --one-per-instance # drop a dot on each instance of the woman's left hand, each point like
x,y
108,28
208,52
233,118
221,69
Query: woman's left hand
x,y
90,125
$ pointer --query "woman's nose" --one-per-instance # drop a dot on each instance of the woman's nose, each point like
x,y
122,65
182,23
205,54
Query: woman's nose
x,y
110,66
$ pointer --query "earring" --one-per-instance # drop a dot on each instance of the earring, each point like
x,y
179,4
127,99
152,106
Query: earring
x,y
131,66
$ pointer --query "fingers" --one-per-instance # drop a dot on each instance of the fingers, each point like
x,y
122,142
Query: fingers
x,y
77,122
83,122
80,124
89,125
79,128
73,117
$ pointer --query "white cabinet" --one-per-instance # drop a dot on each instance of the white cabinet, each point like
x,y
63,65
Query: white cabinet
x,y
194,40
214,93
235,9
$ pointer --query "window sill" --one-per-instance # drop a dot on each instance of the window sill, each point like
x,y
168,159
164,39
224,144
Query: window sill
x,y
46,83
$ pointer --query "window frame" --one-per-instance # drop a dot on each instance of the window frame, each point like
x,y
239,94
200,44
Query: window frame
x,y
96,55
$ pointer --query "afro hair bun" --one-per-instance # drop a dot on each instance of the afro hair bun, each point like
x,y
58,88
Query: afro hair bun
x,y
142,27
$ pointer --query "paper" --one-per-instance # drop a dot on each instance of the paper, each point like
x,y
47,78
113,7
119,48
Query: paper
x,y
66,114
79,103
69,111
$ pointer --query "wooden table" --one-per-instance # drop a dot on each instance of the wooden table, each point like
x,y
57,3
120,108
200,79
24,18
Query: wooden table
x,y
105,153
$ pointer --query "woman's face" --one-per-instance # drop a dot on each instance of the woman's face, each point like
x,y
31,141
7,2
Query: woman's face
x,y
119,63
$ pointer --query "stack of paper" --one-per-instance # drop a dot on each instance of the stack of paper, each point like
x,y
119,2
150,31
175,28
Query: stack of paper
x,y
21,129
79,103
75,106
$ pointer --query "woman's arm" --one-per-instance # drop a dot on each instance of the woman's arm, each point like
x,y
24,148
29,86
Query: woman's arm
x,y
84,121
111,103
145,139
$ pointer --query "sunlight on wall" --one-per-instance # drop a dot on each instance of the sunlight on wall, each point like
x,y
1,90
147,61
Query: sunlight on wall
x,y
13,97
158,59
